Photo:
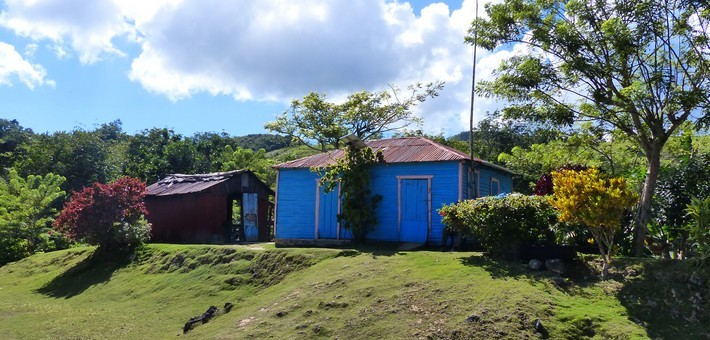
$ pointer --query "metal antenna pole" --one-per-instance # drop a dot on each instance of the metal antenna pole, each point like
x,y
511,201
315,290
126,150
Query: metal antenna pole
x,y
473,91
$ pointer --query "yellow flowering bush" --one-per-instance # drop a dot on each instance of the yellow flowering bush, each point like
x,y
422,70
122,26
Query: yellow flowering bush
x,y
589,198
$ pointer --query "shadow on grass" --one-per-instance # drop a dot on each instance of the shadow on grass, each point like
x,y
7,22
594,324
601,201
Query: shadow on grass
x,y
97,268
668,298
498,269
577,274
373,249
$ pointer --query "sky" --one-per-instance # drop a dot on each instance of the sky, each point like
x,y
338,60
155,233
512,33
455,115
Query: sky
x,y
229,66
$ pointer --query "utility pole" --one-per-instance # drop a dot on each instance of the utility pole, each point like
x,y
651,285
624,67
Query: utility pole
x,y
473,98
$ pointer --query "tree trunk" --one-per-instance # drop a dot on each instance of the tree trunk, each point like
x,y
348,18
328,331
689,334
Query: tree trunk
x,y
643,213
606,258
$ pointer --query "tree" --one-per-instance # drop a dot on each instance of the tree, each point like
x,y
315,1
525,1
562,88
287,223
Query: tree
x,y
315,122
358,204
699,211
495,135
12,137
311,121
680,181
588,198
257,162
154,153
80,156
108,215
614,153
26,212
637,66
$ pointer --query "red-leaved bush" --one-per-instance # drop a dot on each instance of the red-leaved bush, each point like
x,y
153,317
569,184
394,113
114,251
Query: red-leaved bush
x,y
545,186
108,215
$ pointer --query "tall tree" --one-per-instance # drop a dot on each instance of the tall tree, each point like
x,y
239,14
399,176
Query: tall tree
x,y
12,136
320,124
494,135
26,212
638,66
80,156
312,121
245,158
154,153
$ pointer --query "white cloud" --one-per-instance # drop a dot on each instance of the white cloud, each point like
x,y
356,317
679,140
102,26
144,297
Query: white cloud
x,y
270,50
86,27
14,67
30,50
275,50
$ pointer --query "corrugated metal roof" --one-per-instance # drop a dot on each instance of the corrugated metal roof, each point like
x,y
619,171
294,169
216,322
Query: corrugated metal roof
x,y
176,184
394,150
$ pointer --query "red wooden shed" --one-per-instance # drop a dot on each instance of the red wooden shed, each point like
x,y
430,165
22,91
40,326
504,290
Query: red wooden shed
x,y
199,208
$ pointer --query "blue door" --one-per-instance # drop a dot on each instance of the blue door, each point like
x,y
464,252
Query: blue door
x,y
251,227
328,214
414,210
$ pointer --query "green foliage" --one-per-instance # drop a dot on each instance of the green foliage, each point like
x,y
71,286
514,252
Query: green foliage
x,y
495,135
319,124
502,225
699,231
291,153
639,67
256,161
587,197
12,137
686,177
352,172
264,141
26,212
155,153
311,119
614,153
80,156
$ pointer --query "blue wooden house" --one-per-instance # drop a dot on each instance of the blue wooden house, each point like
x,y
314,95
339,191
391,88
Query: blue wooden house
x,y
417,178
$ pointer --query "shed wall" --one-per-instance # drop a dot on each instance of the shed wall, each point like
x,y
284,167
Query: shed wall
x,y
189,218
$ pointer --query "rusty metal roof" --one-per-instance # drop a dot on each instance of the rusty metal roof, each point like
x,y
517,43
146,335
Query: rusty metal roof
x,y
394,150
177,184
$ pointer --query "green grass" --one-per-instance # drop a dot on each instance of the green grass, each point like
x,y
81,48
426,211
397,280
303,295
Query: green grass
x,y
348,294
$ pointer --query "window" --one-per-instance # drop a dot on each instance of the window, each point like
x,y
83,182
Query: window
x,y
474,181
495,186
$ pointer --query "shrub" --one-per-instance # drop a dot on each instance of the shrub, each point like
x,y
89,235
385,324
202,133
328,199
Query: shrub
x,y
699,211
502,225
108,215
544,185
587,197
685,178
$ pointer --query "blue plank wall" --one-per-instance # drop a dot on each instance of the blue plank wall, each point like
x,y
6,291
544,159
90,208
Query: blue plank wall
x,y
295,211
296,204
444,189
486,175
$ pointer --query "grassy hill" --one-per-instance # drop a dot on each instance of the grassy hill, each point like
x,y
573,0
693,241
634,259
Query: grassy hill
x,y
347,294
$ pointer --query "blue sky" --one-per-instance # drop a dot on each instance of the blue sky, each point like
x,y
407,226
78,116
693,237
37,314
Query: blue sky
x,y
210,65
